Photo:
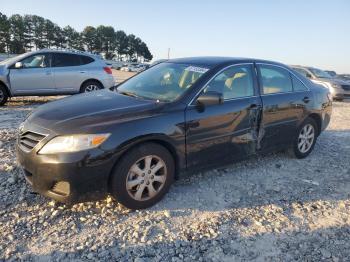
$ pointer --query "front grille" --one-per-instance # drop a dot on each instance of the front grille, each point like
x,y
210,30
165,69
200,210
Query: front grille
x,y
28,140
346,87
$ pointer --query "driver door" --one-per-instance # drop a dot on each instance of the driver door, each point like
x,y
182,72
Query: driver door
x,y
34,77
220,133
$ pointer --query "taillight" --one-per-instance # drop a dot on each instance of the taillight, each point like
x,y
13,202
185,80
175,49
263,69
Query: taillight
x,y
108,70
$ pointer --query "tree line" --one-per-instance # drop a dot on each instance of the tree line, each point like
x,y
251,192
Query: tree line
x,y
19,34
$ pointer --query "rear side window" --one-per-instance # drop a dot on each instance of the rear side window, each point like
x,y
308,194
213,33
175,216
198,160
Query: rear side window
x,y
298,85
275,79
63,60
86,60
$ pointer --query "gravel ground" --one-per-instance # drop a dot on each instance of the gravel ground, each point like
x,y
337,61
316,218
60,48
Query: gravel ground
x,y
267,208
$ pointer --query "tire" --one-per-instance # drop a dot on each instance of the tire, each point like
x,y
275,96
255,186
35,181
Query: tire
x,y
90,86
298,150
131,188
3,95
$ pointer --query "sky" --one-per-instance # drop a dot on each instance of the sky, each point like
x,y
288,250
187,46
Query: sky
x,y
313,33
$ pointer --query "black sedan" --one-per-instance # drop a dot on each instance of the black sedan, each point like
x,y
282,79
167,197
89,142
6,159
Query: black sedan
x,y
178,116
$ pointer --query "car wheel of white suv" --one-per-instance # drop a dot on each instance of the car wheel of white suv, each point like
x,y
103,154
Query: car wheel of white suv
x,y
90,86
3,95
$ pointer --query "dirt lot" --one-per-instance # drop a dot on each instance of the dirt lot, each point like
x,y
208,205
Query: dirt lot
x,y
121,76
267,208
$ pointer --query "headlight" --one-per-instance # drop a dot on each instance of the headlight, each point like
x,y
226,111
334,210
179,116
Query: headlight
x,y
73,143
336,86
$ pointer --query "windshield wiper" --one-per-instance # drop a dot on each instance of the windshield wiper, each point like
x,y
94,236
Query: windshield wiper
x,y
128,93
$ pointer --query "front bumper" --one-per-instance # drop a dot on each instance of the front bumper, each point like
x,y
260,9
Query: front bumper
x,y
68,178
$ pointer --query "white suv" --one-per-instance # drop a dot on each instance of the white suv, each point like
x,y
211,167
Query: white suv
x,y
53,72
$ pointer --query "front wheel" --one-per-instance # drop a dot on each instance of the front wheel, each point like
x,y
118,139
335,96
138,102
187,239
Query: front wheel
x,y
143,176
305,139
3,95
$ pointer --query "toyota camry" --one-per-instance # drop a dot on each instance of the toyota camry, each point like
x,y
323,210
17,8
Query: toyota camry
x,y
176,117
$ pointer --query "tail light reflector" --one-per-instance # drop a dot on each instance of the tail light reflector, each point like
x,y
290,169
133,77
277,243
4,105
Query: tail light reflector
x,y
108,70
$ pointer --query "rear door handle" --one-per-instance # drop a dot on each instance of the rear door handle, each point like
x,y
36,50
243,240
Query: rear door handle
x,y
82,72
306,99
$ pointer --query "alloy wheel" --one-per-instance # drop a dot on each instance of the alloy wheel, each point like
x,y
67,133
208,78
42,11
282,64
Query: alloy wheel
x,y
91,88
146,178
306,138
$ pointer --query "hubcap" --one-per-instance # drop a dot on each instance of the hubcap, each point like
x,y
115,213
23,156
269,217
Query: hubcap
x,y
146,178
306,138
91,88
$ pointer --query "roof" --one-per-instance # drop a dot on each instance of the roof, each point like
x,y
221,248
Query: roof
x,y
212,61
71,51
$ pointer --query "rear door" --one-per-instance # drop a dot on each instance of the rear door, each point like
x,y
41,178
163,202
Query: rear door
x,y
35,77
68,72
220,133
285,100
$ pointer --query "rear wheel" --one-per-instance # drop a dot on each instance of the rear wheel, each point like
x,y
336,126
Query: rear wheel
x,y
90,86
143,176
3,95
305,139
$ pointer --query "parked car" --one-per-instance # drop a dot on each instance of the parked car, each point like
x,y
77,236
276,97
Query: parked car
x,y
115,64
156,62
338,88
176,117
344,77
139,68
331,73
130,67
53,72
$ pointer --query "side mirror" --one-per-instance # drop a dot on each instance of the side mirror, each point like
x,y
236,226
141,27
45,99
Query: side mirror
x,y
210,98
18,65
308,75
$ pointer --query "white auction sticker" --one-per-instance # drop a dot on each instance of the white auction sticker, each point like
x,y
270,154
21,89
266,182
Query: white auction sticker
x,y
197,69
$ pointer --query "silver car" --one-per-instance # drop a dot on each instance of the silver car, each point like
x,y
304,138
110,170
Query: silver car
x,y
338,88
53,72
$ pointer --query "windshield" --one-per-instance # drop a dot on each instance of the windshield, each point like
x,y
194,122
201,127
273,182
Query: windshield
x,y
12,59
164,82
319,73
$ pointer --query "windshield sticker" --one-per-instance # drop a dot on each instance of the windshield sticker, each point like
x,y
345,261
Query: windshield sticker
x,y
196,69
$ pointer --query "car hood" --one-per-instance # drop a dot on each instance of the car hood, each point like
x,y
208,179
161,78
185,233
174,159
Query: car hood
x,y
333,81
85,112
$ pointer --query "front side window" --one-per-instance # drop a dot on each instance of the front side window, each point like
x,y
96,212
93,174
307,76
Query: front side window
x,y
164,82
234,82
275,79
63,60
35,61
